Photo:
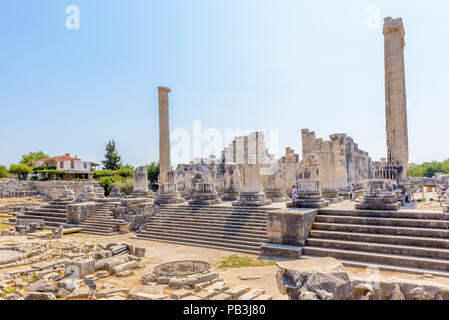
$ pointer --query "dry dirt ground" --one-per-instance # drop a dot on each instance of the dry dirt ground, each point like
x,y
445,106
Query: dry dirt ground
x,y
263,277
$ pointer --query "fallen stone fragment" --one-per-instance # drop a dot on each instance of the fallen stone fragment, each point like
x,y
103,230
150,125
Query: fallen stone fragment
x,y
252,294
238,291
316,279
102,274
148,296
222,296
181,293
263,297
39,296
251,277
42,286
62,293
207,294
79,293
139,252
123,267
125,273
111,292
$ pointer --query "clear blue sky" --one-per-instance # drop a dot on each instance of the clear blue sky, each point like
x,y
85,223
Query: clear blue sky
x,y
250,64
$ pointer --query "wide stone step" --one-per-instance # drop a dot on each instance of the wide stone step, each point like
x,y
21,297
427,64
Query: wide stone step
x,y
99,228
416,232
214,212
189,237
371,257
214,216
101,233
386,214
44,213
52,210
222,208
200,243
397,222
45,218
205,225
380,248
109,220
380,238
99,225
188,219
210,234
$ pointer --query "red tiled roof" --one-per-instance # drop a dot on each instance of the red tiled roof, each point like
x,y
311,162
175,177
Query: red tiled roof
x,y
59,158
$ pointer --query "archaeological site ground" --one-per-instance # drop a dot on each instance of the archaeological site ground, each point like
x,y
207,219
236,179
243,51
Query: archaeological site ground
x,y
244,225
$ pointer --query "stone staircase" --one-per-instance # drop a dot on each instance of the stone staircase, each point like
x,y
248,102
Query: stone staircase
x,y
240,229
414,240
101,221
53,214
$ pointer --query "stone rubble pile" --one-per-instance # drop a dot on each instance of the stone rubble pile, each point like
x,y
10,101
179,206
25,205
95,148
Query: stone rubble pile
x,y
326,279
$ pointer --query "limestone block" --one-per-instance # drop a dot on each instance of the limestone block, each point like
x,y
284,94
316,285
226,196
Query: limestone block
x,y
181,293
123,267
147,289
314,279
85,267
222,296
139,252
79,293
39,296
252,294
239,291
289,227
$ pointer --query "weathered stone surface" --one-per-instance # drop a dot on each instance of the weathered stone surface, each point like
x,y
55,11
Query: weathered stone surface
x,y
289,227
148,289
139,252
111,292
208,277
39,296
238,291
222,296
181,293
85,267
112,262
148,296
124,267
252,294
42,286
314,279
79,293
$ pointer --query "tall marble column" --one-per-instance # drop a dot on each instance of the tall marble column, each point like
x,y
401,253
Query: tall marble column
x,y
395,94
164,133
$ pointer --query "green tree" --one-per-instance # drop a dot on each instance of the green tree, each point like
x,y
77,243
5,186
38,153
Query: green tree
x,y
21,170
113,160
32,158
153,172
4,172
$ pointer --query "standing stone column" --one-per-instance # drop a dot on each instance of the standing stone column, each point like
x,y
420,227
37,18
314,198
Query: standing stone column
x,y
395,95
164,133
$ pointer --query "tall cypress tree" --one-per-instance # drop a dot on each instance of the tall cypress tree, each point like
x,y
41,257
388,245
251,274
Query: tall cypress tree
x,y
113,160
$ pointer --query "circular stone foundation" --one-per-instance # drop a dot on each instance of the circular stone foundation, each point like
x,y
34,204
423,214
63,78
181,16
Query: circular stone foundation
x,y
181,268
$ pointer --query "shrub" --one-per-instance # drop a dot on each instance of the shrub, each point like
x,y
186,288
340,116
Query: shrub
x,y
125,185
107,183
126,171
